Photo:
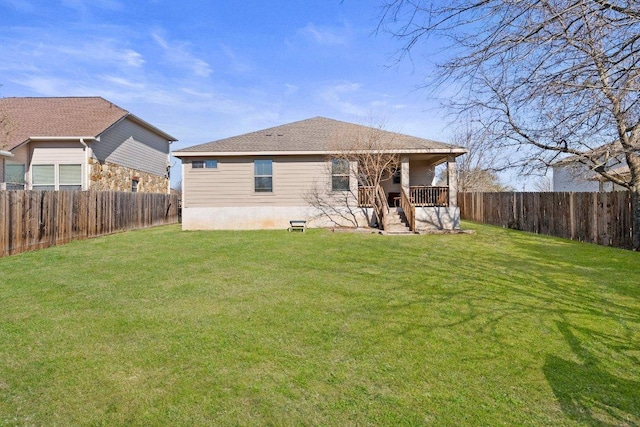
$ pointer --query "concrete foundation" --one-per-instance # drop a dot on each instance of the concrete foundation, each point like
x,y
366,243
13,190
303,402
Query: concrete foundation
x,y
270,217
278,217
437,218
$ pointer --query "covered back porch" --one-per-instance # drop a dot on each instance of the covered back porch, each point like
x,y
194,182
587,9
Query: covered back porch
x,y
411,194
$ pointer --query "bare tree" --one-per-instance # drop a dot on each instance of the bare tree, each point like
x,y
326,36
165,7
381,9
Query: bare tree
x,y
476,171
543,184
366,156
547,77
5,130
339,208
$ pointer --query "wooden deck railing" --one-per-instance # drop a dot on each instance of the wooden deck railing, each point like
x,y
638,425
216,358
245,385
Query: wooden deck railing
x,y
366,197
408,209
418,196
384,207
429,196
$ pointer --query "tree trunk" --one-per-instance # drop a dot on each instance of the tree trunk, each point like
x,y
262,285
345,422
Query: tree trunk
x,y
635,222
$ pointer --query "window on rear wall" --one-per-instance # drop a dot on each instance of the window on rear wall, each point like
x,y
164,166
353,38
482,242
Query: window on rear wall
x,y
204,164
14,176
339,175
70,177
43,177
263,176
56,177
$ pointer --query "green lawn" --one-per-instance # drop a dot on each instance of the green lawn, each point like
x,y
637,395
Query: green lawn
x,y
163,327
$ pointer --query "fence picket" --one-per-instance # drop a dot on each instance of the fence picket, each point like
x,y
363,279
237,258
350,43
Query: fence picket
x,y
602,218
38,219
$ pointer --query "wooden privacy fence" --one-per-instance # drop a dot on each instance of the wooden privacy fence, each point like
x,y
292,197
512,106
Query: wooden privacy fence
x,y
38,219
602,218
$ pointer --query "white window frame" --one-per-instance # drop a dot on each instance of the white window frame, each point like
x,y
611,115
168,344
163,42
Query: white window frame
x,y
56,178
66,185
10,181
340,174
258,175
204,164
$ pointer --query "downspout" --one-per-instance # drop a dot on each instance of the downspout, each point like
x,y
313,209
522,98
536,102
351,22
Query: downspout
x,y
86,164
169,168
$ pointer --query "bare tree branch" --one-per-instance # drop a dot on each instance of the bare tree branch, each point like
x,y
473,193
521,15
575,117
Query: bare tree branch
x,y
548,78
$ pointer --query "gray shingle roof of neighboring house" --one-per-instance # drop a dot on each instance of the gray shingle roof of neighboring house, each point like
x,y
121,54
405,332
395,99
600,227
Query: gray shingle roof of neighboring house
x,y
60,117
317,134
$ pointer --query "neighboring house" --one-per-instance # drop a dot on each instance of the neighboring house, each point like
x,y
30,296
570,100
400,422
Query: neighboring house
x,y
266,178
571,175
80,143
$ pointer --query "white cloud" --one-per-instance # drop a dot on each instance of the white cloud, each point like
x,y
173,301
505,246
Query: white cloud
x,y
122,82
290,89
335,96
325,36
236,64
40,50
83,5
178,54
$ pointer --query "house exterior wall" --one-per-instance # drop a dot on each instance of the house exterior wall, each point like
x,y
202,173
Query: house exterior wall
x,y
268,217
573,178
421,173
231,184
224,198
71,152
21,157
112,177
437,218
130,144
57,153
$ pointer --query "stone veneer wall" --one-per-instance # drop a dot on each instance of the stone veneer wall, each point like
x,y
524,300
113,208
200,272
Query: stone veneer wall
x,y
112,177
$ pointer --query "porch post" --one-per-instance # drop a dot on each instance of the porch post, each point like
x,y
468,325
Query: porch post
x,y
452,181
404,174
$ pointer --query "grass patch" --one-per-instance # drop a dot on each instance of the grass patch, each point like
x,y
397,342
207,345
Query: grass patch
x,y
163,327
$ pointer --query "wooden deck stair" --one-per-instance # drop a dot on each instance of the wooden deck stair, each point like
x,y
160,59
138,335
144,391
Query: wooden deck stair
x,y
395,222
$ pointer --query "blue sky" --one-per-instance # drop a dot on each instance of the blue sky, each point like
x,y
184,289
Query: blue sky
x,y
205,70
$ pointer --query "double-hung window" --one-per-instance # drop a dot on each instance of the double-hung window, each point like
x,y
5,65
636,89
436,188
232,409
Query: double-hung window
x,y
263,176
14,176
339,175
43,177
56,177
70,177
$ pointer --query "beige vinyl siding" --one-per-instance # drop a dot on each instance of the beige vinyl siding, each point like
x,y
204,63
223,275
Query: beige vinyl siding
x,y
20,155
421,172
57,153
129,144
232,183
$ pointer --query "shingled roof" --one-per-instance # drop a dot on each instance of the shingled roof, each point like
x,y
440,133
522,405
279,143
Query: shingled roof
x,y
315,135
60,117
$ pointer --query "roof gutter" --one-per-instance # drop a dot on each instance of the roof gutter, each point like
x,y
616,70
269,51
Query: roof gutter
x,y
6,153
53,138
60,138
458,151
